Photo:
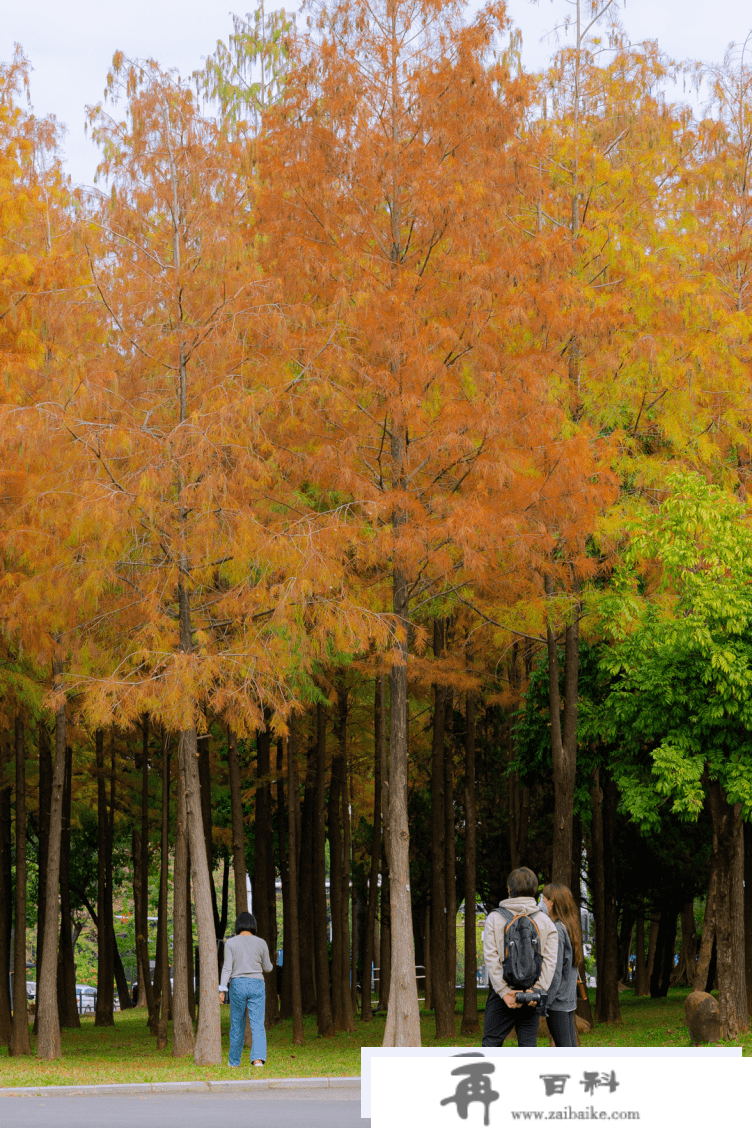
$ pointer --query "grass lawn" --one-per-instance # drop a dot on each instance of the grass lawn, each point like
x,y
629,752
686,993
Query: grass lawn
x,y
126,1052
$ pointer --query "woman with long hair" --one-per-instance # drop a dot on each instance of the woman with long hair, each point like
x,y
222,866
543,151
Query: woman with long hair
x,y
246,960
562,994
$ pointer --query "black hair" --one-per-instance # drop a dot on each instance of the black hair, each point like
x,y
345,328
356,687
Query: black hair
x,y
245,922
522,883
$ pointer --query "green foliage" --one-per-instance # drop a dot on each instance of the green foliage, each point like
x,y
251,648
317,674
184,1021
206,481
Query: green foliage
x,y
246,74
679,615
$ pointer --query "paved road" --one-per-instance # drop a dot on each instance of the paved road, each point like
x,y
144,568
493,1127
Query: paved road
x,y
269,1108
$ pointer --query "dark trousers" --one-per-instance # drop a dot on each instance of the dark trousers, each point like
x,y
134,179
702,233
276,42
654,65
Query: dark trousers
x,y
500,1019
562,1028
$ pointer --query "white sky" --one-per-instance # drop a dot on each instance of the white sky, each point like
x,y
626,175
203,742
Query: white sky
x,y
70,42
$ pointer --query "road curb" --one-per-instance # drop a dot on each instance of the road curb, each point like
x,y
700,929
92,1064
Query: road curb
x,y
143,1088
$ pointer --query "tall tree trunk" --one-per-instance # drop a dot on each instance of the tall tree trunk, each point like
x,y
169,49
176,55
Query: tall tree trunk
x,y
66,971
183,1040
607,1008
140,924
148,982
146,995
385,936
238,830
19,1040
103,1015
563,740
341,819
336,908
685,970
428,1000
597,883
385,945
205,778
349,937
285,994
727,861
123,991
263,877
324,1015
292,953
225,906
470,1021
575,882
608,973
419,944
450,859
403,1017
272,989
663,960
366,1006
307,854
513,808
748,912
157,977
736,901
584,1010
49,1045
164,877
356,907
45,799
655,923
208,1048
6,899
626,933
116,973
518,799
190,949
442,1002
642,982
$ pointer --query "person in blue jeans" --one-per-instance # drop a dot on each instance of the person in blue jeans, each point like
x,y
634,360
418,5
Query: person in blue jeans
x,y
246,960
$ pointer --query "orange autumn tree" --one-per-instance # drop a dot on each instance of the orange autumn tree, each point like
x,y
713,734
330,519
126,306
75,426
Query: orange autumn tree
x,y
45,315
213,584
386,167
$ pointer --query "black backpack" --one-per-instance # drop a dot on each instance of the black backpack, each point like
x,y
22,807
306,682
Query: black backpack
x,y
522,958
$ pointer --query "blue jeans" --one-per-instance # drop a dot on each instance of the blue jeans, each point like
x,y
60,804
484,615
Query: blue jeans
x,y
251,993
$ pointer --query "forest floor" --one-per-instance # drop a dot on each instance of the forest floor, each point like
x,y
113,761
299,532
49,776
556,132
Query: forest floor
x,y
126,1053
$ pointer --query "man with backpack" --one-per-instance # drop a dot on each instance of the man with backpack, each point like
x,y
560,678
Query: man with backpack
x,y
520,944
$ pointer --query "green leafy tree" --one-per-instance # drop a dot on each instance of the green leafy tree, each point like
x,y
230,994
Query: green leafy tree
x,y
680,708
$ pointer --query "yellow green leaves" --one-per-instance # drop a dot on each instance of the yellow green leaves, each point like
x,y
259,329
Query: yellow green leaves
x,y
681,662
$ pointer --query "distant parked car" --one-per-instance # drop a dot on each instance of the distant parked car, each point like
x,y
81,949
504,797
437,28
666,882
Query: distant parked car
x,y
86,997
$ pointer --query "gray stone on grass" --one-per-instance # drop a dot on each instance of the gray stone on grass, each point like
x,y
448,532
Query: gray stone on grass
x,y
703,1017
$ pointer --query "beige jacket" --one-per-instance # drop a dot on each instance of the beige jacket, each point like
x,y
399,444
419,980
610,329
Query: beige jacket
x,y
493,943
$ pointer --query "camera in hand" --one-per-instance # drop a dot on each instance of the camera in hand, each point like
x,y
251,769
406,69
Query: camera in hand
x,y
534,998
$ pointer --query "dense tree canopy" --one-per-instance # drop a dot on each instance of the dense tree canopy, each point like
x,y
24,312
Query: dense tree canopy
x,y
373,517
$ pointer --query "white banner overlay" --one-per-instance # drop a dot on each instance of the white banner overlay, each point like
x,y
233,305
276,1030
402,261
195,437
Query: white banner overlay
x,y
496,1088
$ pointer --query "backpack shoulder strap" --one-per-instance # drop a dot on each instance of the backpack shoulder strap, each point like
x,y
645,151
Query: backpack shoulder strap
x,y
535,912
507,917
